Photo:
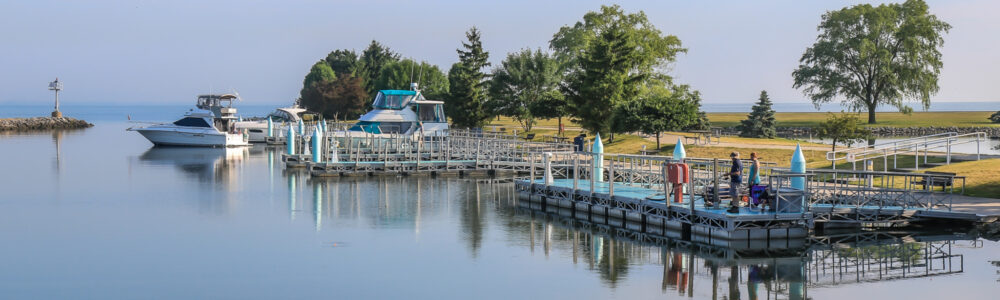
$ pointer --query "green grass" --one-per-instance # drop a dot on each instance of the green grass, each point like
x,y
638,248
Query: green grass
x,y
894,119
982,178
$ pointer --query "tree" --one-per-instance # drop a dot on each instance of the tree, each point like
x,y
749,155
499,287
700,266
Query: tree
x,y
841,128
654,48
398,75
525,85
343,98
320,71
995,117
605,81
874,56
343,61
467,84
760,122
611,58
371,63
659,112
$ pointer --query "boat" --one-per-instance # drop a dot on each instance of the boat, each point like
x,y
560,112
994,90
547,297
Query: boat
x,y
257,129
210,124
402,112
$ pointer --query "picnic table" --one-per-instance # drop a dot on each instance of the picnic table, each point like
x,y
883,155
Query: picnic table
x,y
558,139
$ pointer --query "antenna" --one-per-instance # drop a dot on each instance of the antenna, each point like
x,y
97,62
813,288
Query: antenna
x,y
56,86
411,73
420,80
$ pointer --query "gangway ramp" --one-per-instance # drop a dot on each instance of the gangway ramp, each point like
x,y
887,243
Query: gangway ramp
x,y
919,146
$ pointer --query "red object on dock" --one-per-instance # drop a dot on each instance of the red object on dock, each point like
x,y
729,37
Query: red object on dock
x,y
678,175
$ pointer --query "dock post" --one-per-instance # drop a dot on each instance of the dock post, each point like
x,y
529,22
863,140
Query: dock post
x,y
576,174
317,145
547,160
666,185
691,189
611,178
977,147
598,150
715,180
531,168
290,140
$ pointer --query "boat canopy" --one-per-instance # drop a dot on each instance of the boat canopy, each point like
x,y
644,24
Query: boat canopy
x,y
208,101
393,99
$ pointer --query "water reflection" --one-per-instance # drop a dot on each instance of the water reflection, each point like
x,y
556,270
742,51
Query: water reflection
x,y
770,271
210,166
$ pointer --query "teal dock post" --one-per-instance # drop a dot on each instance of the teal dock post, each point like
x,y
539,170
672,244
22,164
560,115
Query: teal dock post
x,y
679,153
270,127
798,167
598,151
290,140
317,145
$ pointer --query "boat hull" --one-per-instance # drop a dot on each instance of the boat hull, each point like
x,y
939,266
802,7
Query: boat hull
x,y
169,137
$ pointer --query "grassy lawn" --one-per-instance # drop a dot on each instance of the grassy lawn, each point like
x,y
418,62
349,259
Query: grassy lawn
x,y
982,178
894,119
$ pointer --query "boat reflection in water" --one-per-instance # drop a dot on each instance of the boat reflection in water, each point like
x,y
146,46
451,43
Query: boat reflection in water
x,y
215,170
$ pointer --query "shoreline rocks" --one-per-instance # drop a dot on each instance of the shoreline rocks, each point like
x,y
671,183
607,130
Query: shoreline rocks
x,y
42,123
880,131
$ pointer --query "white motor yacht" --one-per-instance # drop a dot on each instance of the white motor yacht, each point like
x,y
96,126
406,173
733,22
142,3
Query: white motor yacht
x,y
257,129
403,112
211,124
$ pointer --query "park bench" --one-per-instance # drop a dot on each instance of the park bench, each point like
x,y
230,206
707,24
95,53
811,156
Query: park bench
x,y
942,179
529,137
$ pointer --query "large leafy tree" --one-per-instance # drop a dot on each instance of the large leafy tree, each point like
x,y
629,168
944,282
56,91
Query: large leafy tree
x,y
526,85
872,56
343,61
467,84
343,98
658,112
654,49
398,75
611,58
371,63
760,122
320,71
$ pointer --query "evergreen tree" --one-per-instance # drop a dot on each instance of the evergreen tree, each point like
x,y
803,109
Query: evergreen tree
x,y
605,80
467,84
344,61
399,75
760,121
371,63
995,117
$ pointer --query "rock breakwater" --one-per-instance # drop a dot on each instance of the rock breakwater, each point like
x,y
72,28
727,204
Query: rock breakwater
x,y
42,123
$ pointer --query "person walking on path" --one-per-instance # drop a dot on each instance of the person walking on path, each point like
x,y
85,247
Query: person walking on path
x,y
735,179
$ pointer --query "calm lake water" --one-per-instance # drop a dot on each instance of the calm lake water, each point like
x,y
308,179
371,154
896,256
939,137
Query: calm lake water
x,y
99,213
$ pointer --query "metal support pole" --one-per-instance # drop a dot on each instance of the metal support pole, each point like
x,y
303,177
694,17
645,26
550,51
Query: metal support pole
x,y
666,186
715,180
948,158
611,178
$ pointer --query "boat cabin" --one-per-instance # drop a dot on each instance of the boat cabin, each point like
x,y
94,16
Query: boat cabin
x,y
402,112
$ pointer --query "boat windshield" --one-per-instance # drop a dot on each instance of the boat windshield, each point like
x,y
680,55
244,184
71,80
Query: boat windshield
x,y
393,99
192,122
433,113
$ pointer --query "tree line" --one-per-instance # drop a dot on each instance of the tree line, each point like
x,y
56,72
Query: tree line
x,y
608,74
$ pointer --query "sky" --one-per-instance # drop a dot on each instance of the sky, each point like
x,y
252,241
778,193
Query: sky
x,y
167,52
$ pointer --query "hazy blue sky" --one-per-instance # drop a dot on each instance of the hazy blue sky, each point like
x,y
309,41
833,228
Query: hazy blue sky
x,y
169,51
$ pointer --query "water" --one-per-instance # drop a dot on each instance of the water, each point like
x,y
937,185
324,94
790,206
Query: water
x,y
98,213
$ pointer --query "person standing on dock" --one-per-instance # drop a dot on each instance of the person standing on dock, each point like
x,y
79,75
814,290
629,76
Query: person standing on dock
x,y
735,179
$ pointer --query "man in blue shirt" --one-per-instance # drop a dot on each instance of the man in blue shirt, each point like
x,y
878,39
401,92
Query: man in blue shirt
x,y
735,178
